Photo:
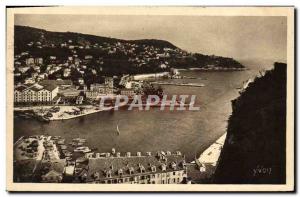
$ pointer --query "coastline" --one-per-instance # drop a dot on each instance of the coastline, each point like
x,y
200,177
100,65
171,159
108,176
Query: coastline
x,y
211,155
57,117
212,69
80,115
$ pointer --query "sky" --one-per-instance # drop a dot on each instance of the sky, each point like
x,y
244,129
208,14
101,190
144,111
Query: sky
x,y
239,37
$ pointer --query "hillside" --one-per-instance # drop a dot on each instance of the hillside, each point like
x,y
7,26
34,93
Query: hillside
x,y
254,150
112,56
25,35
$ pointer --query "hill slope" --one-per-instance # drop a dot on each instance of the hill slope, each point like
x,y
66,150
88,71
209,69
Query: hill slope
x,y
254,150
92,57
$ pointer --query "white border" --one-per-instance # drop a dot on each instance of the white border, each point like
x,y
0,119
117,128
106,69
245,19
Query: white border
x,y
208,11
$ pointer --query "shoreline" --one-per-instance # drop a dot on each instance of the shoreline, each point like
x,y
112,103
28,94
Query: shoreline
x,y
57,117
212,153
212,69
80,115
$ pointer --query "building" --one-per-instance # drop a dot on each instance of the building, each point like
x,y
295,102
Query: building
x,y
53,171
35,93
52,57
161,168
47,93
92,94
163,66
127,92
29,81
18,93
81,81
67,72
97,89
88,57
109,81
79,100
23,69
38,60
29,95
29,61
69,92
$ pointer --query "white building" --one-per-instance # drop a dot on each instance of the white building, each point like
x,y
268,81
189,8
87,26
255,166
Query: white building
x,y
35,93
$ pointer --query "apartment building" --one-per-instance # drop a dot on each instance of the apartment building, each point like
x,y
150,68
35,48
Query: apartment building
x,y
161,168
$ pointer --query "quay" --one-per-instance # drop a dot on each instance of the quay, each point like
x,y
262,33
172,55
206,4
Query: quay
x,y
211,155
180,84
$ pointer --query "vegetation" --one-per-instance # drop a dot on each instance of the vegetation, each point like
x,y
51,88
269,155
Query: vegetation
x,y
254,150
45,44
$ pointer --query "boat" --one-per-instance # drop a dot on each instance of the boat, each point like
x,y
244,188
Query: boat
x,y
118,131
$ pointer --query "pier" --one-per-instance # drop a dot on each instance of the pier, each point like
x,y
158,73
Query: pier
x,y
180,84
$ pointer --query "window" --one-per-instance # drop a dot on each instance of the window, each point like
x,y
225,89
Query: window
x,y
174,173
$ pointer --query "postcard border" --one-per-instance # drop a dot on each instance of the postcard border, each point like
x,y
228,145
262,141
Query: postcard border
x,y
199,11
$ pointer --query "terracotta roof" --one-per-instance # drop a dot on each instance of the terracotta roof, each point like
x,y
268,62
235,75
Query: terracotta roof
x,y
102,165
55,165
34,88
50,87
21,88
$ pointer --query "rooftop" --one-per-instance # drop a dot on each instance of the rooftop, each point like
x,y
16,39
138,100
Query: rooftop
x,y
21,88
128,165
53,165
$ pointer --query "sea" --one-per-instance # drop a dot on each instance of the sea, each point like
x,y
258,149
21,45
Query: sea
x,y
190,132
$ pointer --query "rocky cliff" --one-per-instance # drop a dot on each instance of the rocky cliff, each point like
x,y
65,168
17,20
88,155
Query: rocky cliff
x,y
254,150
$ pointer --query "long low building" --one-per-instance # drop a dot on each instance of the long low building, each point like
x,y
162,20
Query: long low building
x,y
161,168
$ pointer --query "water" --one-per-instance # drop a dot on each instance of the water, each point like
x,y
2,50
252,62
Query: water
x,y
191,132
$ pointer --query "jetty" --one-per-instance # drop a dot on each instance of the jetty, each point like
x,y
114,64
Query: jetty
x,y
211,154
179,84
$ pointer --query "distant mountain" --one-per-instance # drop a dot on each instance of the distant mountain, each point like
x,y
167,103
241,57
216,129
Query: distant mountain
x,y
111,56
25,34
